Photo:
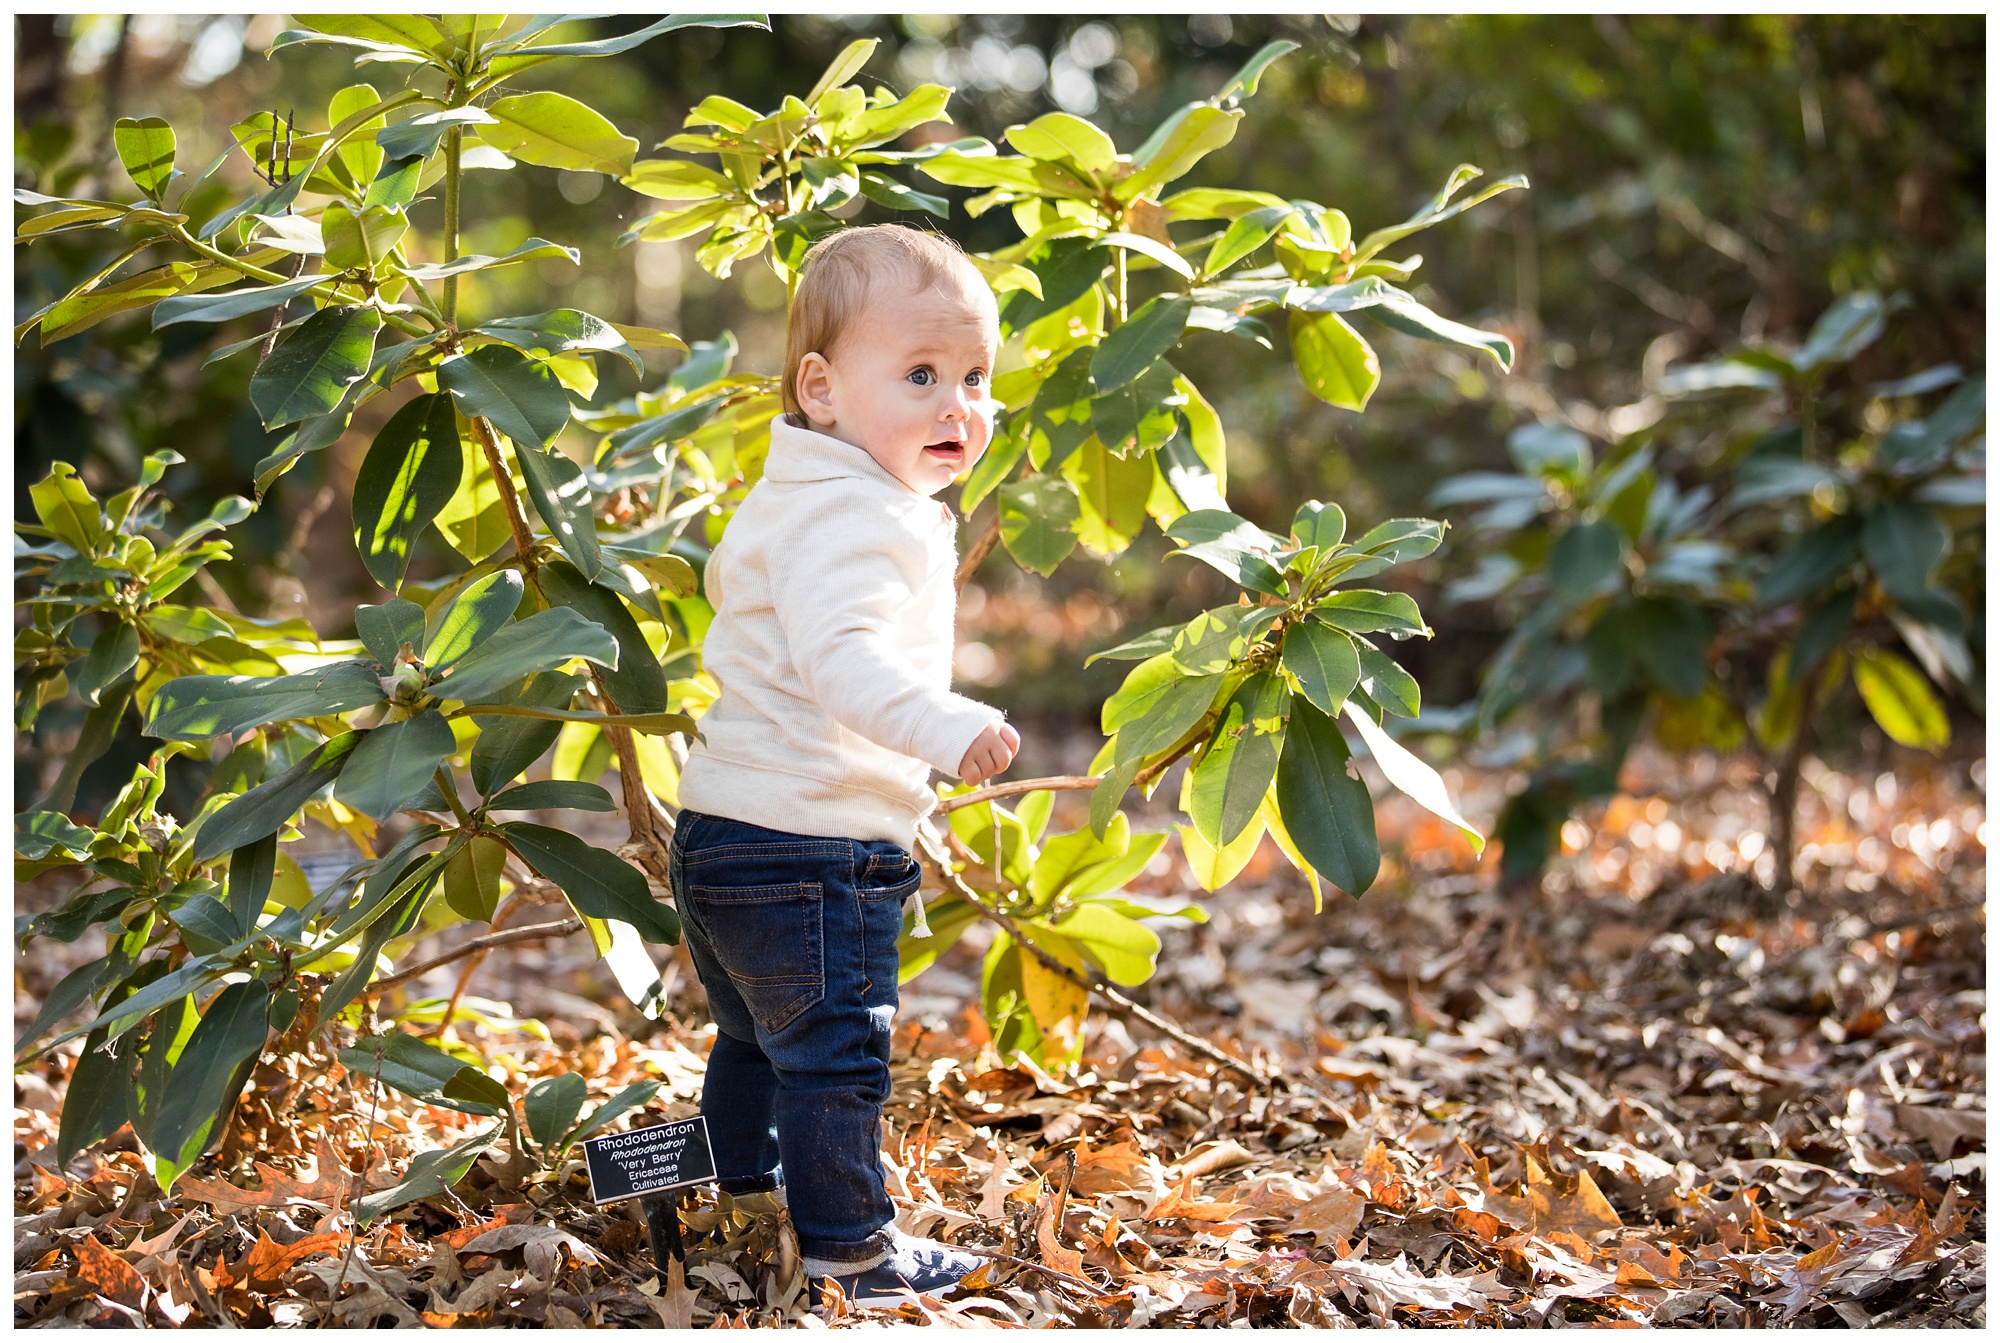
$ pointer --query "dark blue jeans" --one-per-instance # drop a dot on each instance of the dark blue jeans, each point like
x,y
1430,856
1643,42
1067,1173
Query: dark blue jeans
x,y
794,937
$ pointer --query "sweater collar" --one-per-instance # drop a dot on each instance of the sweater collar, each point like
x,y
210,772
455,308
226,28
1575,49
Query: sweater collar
x,y
801,455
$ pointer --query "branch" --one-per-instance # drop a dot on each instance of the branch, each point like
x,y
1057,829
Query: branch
x,y
1055,784
977,555
560,928
1089,984
503,481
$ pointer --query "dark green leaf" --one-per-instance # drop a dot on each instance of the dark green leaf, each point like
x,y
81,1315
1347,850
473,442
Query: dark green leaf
x,y
1820,633
1231,779
97,1099
472,617
269,806
1072,266
252,869
418,136
472,878
1414,319
562,497
1326,662
887,191
231,1032
235,303
411,472
1672,640
72,991
561,331
631,1098
1327,812
521,396
1138,415
38,832
385,629
611,46
1321,525
552,1105
208,919
507,746
100,727
542,642
393,764
638,685
1366,611
534,249
113,654
1812,562
1904,543
194,708
428,1176
1585,557
395,184
599,884
1214,639
674,425
1844,330
549,794
1232,547
1168,717
1394,689
414,1067
1250,231
311,368
1136,345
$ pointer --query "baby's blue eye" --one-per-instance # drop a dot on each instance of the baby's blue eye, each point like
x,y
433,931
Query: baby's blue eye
x,y
975,378
922,377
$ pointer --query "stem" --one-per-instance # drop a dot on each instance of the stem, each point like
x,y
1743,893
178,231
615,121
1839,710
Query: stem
x,y
517,521
325,291
1055,784
1785,790
559,928
452,172
977,555
449,791
1119,258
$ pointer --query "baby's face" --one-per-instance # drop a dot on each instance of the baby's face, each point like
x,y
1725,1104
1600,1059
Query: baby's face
x,y
908,383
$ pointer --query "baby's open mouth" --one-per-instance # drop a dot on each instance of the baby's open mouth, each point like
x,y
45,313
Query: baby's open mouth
x,y
948,451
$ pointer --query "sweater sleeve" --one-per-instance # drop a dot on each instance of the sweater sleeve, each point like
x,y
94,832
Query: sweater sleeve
x,y
838,594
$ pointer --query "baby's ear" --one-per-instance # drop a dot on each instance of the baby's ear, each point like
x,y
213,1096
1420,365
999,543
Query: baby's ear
x,y
813,386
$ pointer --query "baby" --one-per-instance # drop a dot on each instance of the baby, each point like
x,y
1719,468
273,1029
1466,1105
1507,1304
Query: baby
x,y
832,641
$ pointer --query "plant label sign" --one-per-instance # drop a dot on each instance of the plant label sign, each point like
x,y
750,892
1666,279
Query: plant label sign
x,y
649,1160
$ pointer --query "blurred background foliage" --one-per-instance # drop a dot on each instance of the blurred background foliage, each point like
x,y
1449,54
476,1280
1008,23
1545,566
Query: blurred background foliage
x,y
1697,183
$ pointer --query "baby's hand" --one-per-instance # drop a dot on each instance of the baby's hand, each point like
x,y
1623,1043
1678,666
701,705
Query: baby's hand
x,y
991,752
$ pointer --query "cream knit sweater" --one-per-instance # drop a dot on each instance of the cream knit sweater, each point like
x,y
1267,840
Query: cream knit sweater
x,y
832,643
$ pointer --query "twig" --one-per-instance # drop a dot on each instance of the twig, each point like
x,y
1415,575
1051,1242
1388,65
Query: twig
x,y
472,965
560,928
977,555
1055,783
360,1182
1181,1036
510,500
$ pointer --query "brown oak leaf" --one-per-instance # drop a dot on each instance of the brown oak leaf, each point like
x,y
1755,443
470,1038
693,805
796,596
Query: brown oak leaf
x,y
330,1186
107,1274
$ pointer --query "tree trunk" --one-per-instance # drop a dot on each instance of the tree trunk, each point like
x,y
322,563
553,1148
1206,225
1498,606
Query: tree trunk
x,y
1785,792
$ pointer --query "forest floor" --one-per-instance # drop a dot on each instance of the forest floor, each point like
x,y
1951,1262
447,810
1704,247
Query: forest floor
x,y
1649,1093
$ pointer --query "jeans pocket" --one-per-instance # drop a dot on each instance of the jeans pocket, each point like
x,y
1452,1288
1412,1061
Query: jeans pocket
x,y
771,941
889,873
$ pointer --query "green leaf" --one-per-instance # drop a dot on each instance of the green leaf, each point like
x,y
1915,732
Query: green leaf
x,y
234,303
231,1033
100,727
1409,774
552,1105
1137,344
1671,637
1338,366
534,249
1112,491
676,180
1232,547
1243,84
394,764
1844,330
1812,562
1193,133
552,130
1414,319
428,1176
1319,525
888,192
1367,611
361,241
562,331
418,136
1900,700
1585,557
411,472
1059,137
1230,780
1437,210
194,708
1123,948
384,629
1325,661
66,507
311,368
1154,251
72,991
1215,639
83,309
97,1098
472,878
1037,518
1249,232
611,46
146,148
252,870
550,794
542,642
1327,812
113,654
36,833
1392,688
1904,543
521,396
562,498
599,884
206,919
474,615
507,746
271,805
415,1068
1140,414
631,1098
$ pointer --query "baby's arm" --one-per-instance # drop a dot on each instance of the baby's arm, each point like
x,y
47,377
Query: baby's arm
x,y
840,620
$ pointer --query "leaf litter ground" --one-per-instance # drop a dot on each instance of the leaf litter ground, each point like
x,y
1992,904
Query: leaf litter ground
x,y
1649,1093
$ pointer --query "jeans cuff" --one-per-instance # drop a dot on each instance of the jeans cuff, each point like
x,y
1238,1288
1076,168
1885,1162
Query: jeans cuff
x,y
832,1259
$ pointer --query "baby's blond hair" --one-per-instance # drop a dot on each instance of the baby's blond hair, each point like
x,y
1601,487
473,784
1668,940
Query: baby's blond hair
x,y
840,275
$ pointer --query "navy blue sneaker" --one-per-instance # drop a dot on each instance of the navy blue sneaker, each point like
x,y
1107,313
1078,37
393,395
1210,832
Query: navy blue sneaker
x,y
913,1265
